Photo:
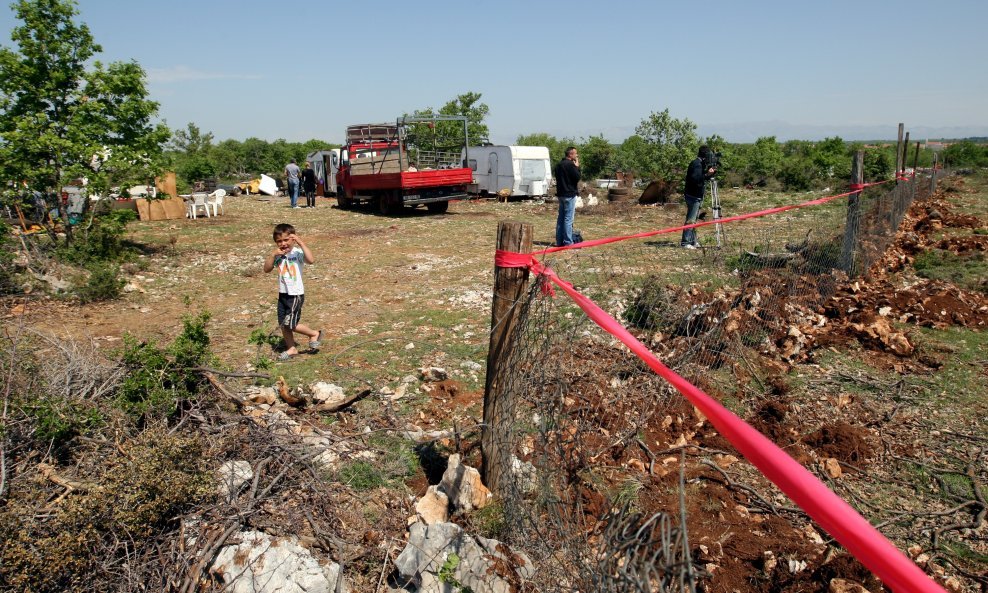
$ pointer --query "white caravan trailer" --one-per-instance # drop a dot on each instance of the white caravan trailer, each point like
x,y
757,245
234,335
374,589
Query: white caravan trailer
x,y
525,170
325,163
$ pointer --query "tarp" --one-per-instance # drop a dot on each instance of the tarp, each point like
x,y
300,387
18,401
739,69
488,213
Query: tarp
x,y
268,186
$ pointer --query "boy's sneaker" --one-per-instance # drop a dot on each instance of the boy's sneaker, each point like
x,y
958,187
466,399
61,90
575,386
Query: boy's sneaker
x,y
689,246
317,342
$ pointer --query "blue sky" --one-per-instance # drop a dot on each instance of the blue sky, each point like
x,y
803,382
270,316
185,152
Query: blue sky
x,y
793,68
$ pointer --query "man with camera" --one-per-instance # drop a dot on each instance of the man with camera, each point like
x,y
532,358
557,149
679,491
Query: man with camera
x,y
703,167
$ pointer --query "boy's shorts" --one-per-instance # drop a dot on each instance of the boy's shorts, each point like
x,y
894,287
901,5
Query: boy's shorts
x,y
289,309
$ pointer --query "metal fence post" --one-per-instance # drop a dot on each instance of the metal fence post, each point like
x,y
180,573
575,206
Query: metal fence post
x,y
853,216
510,288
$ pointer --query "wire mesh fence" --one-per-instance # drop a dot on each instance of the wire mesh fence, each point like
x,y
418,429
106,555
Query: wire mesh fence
x,y
592,474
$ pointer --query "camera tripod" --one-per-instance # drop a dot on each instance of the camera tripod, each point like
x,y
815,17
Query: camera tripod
x,y
715,207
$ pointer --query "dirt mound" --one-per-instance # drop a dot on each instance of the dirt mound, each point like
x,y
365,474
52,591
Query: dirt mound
x,y
842,441
964,244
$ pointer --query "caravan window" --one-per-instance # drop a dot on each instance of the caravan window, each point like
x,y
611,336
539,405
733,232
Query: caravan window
x,y
532,169
473,164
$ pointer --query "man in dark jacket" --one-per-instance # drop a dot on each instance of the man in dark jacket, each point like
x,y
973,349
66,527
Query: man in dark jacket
x,y
567,179
309,185
696,179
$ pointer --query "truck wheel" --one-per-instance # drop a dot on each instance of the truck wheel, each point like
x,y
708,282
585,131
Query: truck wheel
x,y
343,202
387,206
437,207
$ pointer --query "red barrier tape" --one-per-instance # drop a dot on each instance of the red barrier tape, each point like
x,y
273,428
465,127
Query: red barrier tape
x,y
830,511
855,189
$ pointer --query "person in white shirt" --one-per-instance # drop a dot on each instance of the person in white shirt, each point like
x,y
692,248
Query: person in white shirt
x,y
289,255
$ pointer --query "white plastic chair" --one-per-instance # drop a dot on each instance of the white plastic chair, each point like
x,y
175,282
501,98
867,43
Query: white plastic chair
x,y
215,200
198,201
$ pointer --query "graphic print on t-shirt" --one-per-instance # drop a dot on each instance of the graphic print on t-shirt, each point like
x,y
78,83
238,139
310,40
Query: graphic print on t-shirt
x,y
290,272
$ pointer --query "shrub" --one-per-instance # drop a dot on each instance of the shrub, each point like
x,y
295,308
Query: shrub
x,y
7,284
103,284
361,476
85,539
796,174
159,378
57,421
100,239
650,306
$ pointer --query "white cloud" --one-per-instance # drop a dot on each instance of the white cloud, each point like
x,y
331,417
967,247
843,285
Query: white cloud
x,y
184,74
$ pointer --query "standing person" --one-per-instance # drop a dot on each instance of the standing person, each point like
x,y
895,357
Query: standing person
x,y
309,185
289,255
697,175
292,174
567,178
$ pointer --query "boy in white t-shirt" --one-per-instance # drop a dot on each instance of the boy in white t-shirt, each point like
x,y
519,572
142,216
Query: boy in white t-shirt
x,y
288,258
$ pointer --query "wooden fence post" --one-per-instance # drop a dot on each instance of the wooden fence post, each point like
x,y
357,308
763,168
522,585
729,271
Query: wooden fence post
x,y
905,154
933,176
853,216
510,287
898,150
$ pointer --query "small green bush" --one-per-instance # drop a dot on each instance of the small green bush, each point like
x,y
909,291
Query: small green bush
x,y
104,283
397,461
490,521
361,476
100,238
159,378
797,174
650,305
7,283
58,421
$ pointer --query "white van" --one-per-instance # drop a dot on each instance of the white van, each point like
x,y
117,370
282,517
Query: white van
x,y
525,170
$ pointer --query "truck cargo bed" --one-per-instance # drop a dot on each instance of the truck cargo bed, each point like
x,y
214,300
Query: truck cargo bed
x,y
411,179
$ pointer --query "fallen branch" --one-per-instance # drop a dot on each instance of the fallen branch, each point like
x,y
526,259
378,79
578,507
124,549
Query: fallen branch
x,y
337,406
222,389
220,373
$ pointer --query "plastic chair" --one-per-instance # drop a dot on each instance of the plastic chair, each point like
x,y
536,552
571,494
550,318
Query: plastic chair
x,y
198,201
215,200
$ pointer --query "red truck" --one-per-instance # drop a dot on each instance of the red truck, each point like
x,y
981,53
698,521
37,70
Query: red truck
x,y
417,160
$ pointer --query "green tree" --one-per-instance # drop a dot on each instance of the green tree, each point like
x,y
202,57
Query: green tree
x,y
634,155
63,115
192,155
765,159
966,154
555,145
596,157
672,144
191,141
831,159
448,135
879,163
